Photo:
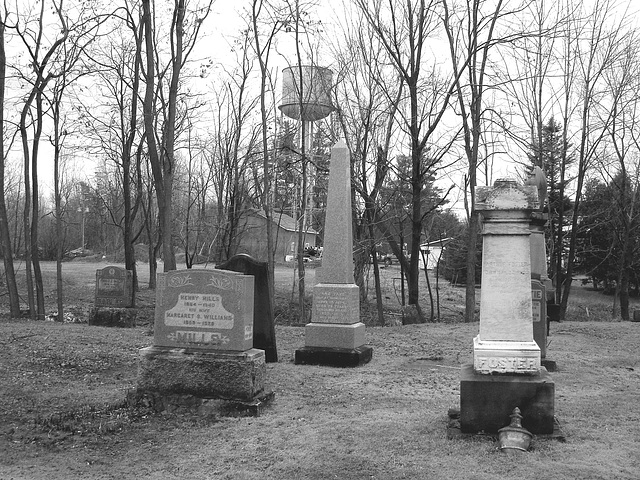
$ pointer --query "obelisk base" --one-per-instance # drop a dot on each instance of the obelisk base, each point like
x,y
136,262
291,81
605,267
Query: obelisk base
x,y
497,356
335,345
334,357
486,401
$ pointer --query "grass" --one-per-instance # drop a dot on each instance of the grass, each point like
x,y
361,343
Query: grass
x,y
64,412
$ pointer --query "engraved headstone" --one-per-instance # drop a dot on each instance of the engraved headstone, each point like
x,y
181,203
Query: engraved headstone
x,y
506,372
114,287
264,333
204,309
335,335
505,341
203,345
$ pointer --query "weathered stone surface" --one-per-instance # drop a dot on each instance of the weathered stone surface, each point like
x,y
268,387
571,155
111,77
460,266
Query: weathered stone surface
x,y
113,317
337,256
538,246
228,375
336,303
505,296
204,407
486,401
205,309
506,194
506,357
114,287
334,336
506,326
264,333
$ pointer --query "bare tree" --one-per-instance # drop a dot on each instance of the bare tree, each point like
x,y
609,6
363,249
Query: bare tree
x,y
403,28
47,61
162,154
594,42
5,234
115,125
262,44
621,80
474,30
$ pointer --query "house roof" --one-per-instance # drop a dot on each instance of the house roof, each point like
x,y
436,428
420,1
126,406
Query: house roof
x,y
436,243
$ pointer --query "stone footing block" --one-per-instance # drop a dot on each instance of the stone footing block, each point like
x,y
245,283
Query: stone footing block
x,y
334,357
205,407
238,376
486,401
112,317
550,365
331,335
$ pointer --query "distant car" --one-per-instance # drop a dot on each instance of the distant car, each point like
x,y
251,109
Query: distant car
x,y
386,259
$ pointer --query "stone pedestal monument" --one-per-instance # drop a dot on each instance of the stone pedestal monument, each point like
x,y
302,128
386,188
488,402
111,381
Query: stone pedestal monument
x,y
203,344
335,336
506,371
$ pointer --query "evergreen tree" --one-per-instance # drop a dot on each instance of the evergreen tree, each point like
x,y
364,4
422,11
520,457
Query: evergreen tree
x,y
548,154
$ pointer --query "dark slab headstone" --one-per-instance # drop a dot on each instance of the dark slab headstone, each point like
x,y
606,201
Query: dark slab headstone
x,y
264,333
114,287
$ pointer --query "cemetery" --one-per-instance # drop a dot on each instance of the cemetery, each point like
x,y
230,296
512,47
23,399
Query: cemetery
x,y
257,291
186,393
63,413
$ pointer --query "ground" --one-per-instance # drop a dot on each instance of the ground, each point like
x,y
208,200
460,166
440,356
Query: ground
x,y
64,415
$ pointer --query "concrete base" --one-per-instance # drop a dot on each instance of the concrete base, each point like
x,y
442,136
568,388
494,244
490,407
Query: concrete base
x,y
334,357
332,335
486,401
191,404
454,432
550,365
113,317
238,376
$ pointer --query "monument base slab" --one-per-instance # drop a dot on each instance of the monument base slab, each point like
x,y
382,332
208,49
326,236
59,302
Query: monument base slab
x,y
486,401
331,335
238,376
112,317
334,357
191,404
550,365
497,356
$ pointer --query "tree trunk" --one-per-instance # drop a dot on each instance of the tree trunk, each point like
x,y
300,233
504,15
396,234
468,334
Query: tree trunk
x,y
470,288
5,237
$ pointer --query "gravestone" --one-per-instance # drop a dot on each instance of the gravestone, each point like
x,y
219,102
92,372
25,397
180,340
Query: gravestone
x,y
335,336
204,309
506,371
264,333
203,342
114,298
114,287
541,286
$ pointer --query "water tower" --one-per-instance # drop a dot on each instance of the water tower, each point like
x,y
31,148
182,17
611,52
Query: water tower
x,y
313,96
308,101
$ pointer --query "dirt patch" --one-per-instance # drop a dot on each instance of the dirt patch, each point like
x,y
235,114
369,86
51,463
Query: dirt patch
x,y
64,411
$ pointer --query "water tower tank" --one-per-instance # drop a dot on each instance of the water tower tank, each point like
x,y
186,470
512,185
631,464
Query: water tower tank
x,y
316,85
